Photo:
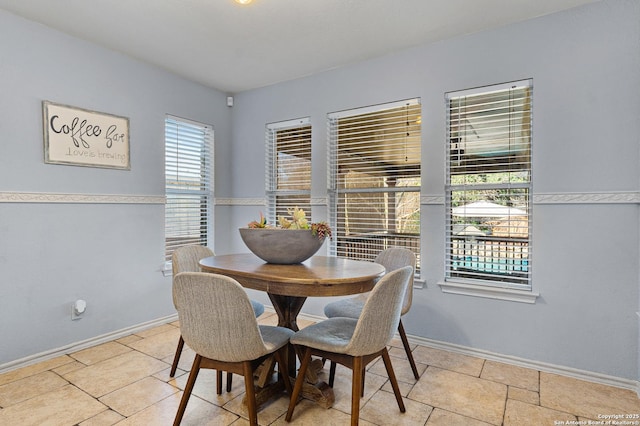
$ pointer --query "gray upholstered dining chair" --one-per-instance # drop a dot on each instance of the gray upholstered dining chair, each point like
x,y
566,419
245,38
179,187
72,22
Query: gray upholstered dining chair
x,y
354,343
217,322
391,258
186,259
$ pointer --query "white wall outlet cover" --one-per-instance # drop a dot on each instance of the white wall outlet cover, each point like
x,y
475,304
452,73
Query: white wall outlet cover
x,y
79,306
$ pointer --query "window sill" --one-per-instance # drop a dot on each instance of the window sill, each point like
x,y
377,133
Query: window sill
x,y
489,292
167,269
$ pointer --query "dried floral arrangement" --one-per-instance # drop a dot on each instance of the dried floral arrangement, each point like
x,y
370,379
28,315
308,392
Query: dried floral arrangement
x,y
297,220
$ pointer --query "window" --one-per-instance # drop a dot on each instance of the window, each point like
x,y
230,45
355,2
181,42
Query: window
x,y
374,179
188,176
288,170
488,188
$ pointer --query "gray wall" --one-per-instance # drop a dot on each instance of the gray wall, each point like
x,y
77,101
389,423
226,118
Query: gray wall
x,y
108,254
585,65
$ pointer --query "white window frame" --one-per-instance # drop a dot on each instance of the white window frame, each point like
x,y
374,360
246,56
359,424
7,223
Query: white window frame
x,y
188,181
281,195
463,274
366,246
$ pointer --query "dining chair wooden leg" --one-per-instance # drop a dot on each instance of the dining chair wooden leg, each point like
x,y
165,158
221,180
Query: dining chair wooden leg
x,y
332,373
193,375
219,382
332,376
229,381
356,389
304,364
407,349
250,393
176,357
392,379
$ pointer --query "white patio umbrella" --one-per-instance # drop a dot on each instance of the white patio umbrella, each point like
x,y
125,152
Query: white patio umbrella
x,y
467,231
486,209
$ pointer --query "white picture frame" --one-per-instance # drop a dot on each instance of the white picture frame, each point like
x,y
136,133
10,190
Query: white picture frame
x,y
80,137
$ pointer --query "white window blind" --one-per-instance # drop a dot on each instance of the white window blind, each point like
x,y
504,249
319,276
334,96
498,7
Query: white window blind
x,y
489,186
374,179
188,183
288,168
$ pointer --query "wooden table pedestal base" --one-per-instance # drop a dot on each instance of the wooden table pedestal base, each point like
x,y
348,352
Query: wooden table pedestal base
x,y
313,389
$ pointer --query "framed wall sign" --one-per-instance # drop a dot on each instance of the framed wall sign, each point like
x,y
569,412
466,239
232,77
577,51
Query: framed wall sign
x,y
80,137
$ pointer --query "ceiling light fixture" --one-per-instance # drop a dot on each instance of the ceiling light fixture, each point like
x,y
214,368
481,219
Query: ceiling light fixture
x,y
243,1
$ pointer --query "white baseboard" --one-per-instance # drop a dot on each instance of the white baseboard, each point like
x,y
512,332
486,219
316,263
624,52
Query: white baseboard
x,y
84,344
464,350
575,373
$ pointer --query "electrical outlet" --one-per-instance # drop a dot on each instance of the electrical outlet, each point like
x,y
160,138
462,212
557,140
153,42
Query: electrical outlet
x,y
77,309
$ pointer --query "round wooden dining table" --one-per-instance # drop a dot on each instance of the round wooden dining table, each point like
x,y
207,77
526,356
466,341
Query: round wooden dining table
x,y
288,286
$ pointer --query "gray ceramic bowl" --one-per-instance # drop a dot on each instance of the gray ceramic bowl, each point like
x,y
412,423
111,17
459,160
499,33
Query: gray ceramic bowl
x,y
282,246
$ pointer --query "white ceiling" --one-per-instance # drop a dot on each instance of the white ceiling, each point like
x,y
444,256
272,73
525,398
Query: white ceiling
x,y
234,48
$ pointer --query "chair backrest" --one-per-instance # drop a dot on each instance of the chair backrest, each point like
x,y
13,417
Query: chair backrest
x,y
380,315
186,258
216,317
394,258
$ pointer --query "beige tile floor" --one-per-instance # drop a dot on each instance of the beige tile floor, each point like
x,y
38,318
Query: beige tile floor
x,y
126,382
